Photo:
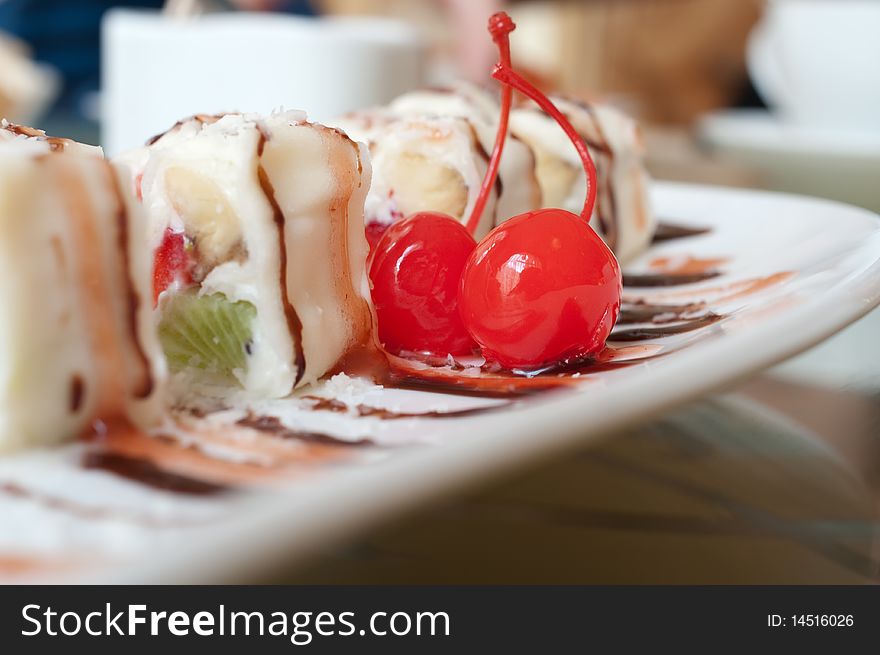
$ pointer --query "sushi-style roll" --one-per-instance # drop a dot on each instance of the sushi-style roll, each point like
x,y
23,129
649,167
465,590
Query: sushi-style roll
x,y
623,214
420,163
540,167
519,188
77,332
258,232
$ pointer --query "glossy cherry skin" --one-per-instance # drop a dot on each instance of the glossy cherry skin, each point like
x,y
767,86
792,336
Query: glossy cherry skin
x,y
172,263
415,273
540,289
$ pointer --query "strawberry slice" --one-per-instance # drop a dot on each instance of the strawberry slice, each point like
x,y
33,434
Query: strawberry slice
x,y
375,230
172,263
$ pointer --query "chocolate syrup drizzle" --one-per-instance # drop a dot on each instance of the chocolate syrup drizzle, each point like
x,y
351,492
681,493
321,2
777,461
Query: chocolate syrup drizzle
x,y
648,280
332,405
77,392
645,333
273,425
669,231
512,387
294,324
641,311
149,473
55,143
145,386
607,215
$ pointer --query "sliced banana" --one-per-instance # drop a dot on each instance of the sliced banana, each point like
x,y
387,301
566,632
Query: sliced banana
x,y
206,214
555,175
422,184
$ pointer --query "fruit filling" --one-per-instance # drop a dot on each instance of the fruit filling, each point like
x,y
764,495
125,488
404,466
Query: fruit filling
x,y
173,263
205,332
211,223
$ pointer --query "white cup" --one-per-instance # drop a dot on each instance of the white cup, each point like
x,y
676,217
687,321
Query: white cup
x,y
818,62
157,69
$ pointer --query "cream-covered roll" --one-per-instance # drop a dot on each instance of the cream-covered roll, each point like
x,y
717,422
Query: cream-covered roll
x,y
623,214
423,163
541,168
77,332
258,227
519,188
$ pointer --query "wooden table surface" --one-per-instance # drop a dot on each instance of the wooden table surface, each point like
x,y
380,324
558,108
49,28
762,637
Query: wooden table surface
x,y
776,482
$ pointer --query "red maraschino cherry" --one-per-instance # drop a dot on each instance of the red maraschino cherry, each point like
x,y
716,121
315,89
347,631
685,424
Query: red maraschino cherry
x,y
542,287
415,271
417,262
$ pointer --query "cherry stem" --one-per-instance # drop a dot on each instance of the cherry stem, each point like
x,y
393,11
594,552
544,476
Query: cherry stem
x,y
500,27
507,76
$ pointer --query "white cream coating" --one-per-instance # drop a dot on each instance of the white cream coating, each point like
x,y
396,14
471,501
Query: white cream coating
x,y
313,169
70,354
303,165
43,337
623,174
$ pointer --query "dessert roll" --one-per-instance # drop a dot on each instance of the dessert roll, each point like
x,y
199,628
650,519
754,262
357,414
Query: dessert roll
x,y
77,332
519,188
258,232
623,214
423,163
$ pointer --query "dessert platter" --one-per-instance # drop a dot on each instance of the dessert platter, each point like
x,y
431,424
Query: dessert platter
x,y
255,334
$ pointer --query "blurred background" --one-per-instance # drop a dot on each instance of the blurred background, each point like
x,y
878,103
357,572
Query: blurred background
x,y
781,95
699,74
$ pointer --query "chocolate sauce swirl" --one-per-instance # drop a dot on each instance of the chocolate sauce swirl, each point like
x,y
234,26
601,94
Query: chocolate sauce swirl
x,y
647,280
146,472
294,324
144,385
646,333
273,425
669,231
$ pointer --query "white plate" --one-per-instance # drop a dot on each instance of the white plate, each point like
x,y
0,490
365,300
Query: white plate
x,y
834,163
812,267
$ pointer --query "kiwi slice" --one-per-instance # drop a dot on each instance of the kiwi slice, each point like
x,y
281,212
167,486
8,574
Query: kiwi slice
x,y
209,333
